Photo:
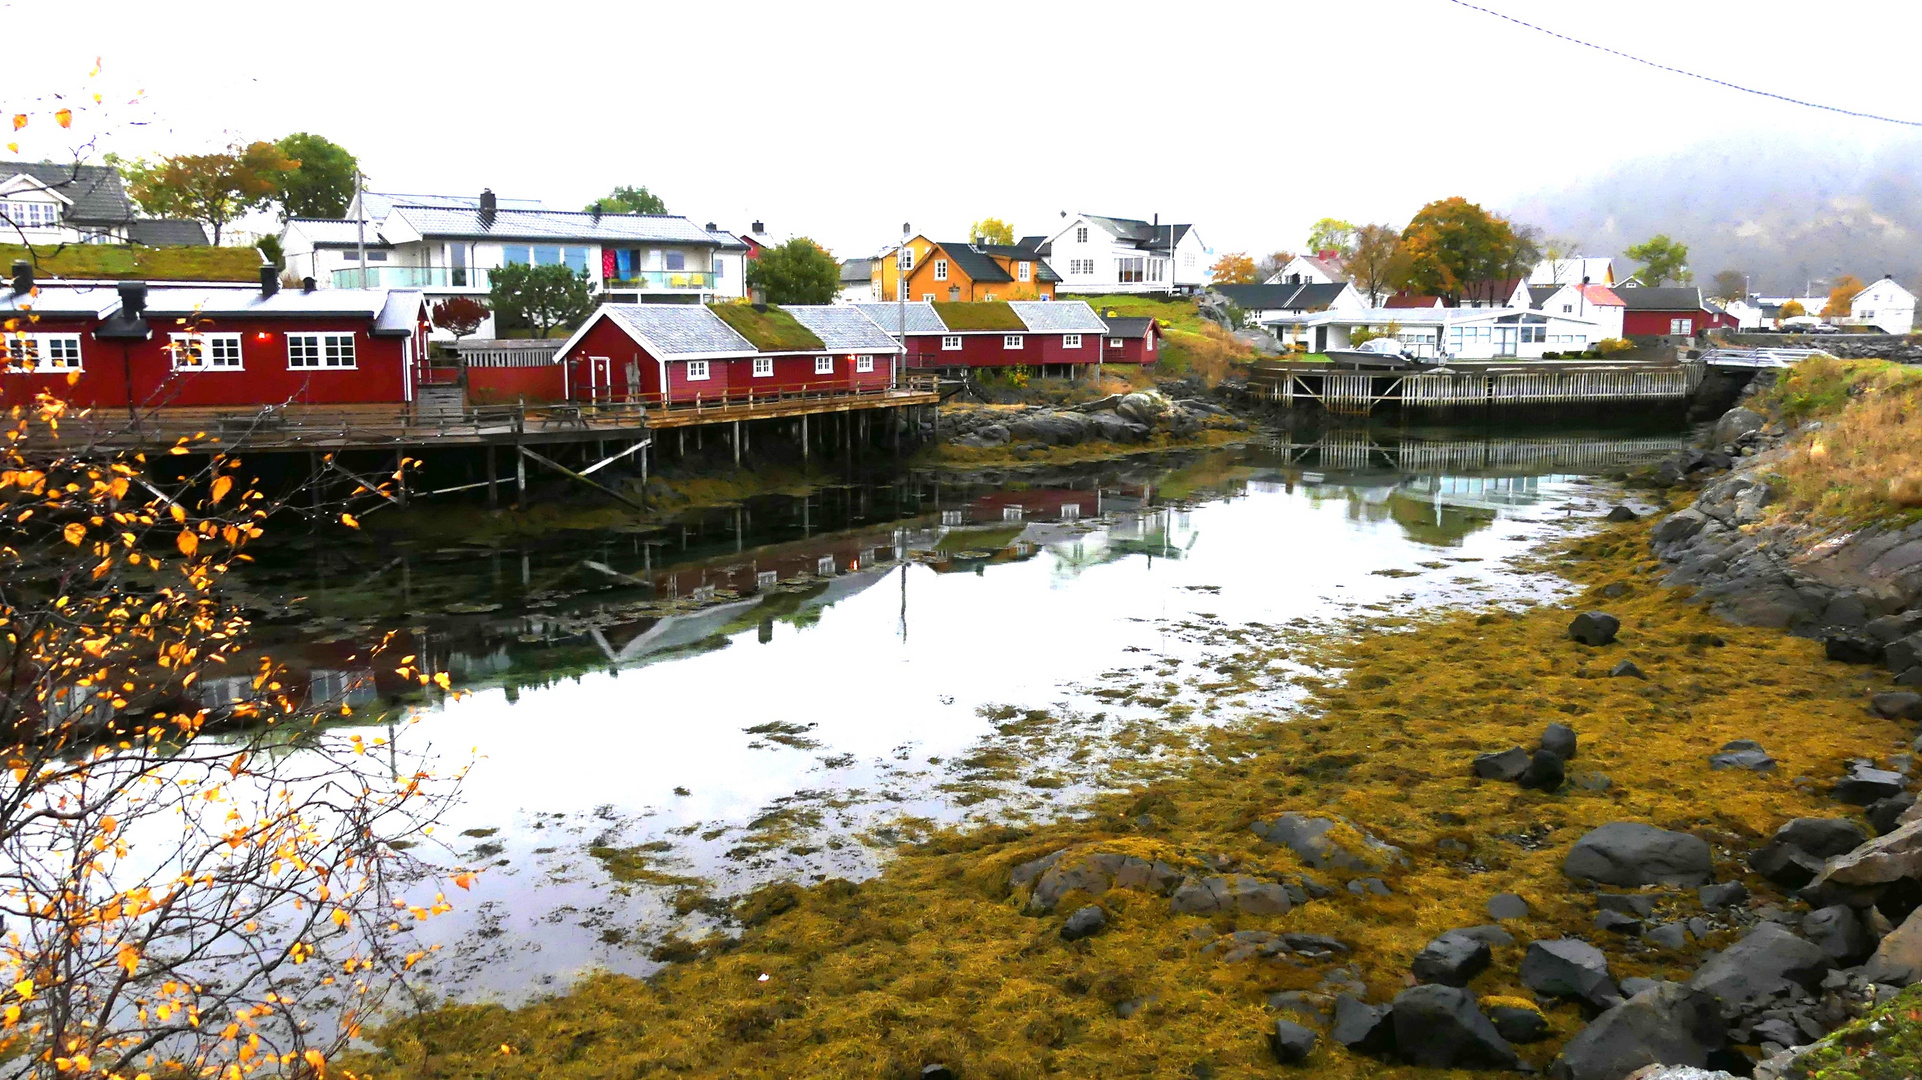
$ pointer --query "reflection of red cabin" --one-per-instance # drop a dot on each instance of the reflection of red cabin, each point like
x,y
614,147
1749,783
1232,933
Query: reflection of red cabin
x,y
1133,341
1033,504
212,345
687,353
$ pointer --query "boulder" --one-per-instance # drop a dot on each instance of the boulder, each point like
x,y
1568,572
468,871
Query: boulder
x,y
1616,922
1492,936
1361,1027
1641,905
1632,853
1765,963
1725,894
1056,875
1898,959
1885,815
1838,931
1328,843
1508,765
1451,959
1795,854
1626,670
1545,772
1670,936
1051,428
1439,1027
1231,892
1752,760
1507,906
1880,861
1519,1025
1864,784
1669,1024
1678,527
1560,740
1897,705
1142,408
1569,968
1291,1042
1112,428
1594,628
936,1071
1085,922
1736,423
1619,514
1847,647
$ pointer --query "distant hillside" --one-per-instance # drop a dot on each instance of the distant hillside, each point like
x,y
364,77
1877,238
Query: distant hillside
x,y
1780,211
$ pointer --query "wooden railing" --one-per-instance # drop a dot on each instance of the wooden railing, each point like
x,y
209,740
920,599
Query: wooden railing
x,y
283,427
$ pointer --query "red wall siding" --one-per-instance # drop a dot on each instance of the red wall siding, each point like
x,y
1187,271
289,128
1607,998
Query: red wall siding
x,y
1048,349
506,385
1656,323
606,339
1131,351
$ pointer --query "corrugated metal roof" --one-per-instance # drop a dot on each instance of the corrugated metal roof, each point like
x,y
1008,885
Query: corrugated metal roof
x,y
1658,299
920,313
1129,326
673,330
841,327
1059,316
53,298
554,225
94,192
167,232
214,299
398,315
380,203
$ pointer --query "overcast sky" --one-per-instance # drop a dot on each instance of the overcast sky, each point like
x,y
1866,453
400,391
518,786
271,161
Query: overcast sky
x,y
841,121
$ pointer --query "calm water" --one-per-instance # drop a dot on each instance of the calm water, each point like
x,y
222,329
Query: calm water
x,y
789,689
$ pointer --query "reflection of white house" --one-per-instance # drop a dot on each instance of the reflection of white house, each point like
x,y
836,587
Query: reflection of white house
x,y
1096,254
1458,333
1884,305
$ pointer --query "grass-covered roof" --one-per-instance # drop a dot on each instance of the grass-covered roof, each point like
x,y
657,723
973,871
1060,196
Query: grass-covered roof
x,y
772,330
131,263
979,315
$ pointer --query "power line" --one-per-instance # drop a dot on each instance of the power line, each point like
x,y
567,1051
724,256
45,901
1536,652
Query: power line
x,y
1678,71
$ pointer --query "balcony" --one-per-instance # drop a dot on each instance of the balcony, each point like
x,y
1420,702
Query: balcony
x,y
664,281
411,277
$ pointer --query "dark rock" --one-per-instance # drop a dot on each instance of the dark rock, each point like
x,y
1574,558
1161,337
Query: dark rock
x,y
1780,1032
1898,959
1725,894
1519,1025
1617,923
1545,773
1897,705
1230,892
1678,527
1571,969
1367,885
936,1071
1698,927
1593,781
1864,784
1752,760
1640,905
1560,740
1764,964
1903,653
1622,513
1633,985
1313,944
1439,1027
1594,628
1311,839
1669,936
1510,764
1085,922
1626,670
1885,815
1632,853
1735,424
1361,1027
1670,1024
1507,906
1451,959
1307,1006
1291,1042
1055,876
1493,936
1795,854
1848,648
1839,932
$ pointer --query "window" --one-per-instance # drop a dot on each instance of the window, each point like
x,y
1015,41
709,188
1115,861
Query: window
x,y
927,298
1188,259
677,260
31,215
824,566
950,342
824,365
1681,327
377,256
42,352
1114,343
950,517
1023,271
907,258
1011,341
1081,235
863,363
940,269
697,371
205,352
1071,341
763,366
320,350
1129,270
1567,308
720,268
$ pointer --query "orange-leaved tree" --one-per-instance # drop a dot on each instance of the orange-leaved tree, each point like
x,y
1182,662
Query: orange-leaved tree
x,y
1453,244
213,189
1234,268
1841,295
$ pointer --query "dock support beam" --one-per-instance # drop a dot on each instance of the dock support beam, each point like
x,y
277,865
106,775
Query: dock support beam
x,y
493,486
520,475
736,440
804,436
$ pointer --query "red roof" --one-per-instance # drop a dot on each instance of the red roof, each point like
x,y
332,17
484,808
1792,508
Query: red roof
x,y
1601,296
1411,300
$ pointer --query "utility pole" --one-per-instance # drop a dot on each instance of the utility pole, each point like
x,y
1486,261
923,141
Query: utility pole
x,y
360,227
900,311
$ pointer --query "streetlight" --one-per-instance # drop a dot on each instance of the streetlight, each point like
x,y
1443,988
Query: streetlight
x,y
900,310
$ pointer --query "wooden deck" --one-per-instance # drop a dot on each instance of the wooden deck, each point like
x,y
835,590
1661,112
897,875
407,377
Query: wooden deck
x,y
1472,384
917,388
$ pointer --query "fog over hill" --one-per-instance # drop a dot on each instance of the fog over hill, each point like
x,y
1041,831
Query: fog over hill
x,y
1782,210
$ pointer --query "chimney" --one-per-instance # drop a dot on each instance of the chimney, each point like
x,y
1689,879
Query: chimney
x,y
595,210
307,285
133,298
758,229
757,295
269,281
22,277
710,226
487,202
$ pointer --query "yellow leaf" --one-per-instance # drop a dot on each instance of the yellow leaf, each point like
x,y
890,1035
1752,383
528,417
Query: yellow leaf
x,y
348,520
187,542
464,880
178,511
24,988
74,532
129,958
222,484
63,117
13,148
316,1061
340,917
19,121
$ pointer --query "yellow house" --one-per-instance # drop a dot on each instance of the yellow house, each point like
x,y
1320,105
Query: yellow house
x,y
964,272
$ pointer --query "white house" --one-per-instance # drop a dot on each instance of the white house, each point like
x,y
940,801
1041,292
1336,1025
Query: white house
x,y
1260,303
1596,303
857,282
1098,254
43,203
1457,333
1747,313
1597,270
1884,305
447,247
1323,268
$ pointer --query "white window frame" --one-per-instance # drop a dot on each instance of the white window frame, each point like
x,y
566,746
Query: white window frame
x,y
31,213
1011,342
1071,341
824,365
198,352
1024,271
863,364
37,349
763,367
950,342
1684,327
698,371
327,352
927,298
1081,234
907,258
940,269
1115,342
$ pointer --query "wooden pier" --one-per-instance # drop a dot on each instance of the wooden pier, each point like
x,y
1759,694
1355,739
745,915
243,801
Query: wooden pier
x,y
1464,384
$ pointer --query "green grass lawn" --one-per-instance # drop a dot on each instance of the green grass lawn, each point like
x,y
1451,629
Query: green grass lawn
x,y
979,315
142,263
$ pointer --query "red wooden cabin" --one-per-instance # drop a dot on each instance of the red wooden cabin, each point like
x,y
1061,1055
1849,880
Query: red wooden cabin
x,y
1133,340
